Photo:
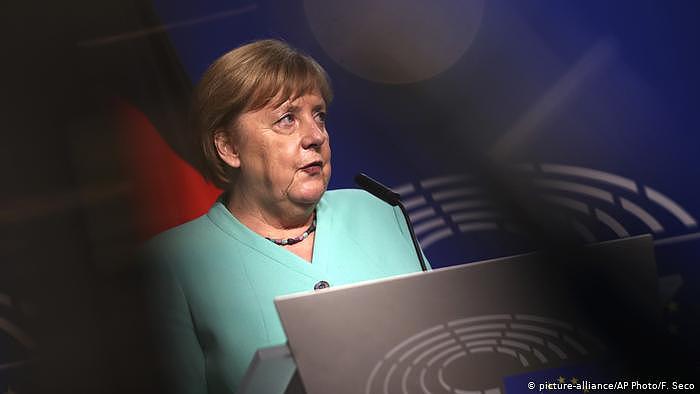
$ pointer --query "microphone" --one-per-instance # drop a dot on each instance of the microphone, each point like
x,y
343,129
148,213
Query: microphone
x,y
378,190
394,199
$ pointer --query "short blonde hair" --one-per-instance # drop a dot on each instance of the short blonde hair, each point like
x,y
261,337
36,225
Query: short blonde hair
x,y
247,79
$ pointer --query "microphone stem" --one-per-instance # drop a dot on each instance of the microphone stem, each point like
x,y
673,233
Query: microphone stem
x,y
413,236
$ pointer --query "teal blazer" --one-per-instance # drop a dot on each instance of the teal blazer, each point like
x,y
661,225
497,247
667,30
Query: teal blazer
x,y
216,280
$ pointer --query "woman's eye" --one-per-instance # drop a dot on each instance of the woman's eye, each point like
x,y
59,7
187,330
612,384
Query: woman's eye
x,y
287,119
321,117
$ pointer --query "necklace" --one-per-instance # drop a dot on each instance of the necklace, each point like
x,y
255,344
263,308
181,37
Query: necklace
x,y
295,240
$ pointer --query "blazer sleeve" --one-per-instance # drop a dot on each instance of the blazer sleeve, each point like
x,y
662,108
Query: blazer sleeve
x,y
180,354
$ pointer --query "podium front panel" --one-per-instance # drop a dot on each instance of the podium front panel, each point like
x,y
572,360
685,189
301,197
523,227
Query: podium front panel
x,y
467,329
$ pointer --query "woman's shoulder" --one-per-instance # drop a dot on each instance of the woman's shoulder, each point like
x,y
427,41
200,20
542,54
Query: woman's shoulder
x,y
197,242
354,205
353,199
182,236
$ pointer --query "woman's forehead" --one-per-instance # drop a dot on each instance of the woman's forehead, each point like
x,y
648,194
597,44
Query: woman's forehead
x,y
312,98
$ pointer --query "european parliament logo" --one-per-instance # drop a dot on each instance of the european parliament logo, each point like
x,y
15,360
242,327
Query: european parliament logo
x,y
438,358
597,205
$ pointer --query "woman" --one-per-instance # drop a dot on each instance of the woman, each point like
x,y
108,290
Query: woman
x,y
260,114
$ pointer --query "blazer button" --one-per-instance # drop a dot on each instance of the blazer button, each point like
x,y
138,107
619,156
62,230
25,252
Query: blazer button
x,y
321,285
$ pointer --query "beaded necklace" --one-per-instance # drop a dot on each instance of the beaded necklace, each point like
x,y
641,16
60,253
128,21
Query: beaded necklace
x,y
295,240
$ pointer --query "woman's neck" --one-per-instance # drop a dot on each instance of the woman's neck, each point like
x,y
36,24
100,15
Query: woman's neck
x,y
270,220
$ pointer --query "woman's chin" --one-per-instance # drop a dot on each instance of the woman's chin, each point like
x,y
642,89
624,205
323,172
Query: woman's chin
x,y
308,195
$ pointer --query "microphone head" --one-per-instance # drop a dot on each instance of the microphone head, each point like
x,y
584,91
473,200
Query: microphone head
x,y
377,189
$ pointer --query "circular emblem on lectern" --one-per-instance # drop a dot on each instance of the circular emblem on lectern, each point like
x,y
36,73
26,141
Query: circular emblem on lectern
x,y
473,354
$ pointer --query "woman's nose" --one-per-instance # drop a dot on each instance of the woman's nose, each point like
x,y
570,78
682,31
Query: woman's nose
x,y
314,135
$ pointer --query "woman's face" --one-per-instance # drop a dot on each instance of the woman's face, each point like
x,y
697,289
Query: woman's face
x,y
283,152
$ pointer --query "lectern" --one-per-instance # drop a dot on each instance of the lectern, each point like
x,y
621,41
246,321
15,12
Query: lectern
x,y
465,329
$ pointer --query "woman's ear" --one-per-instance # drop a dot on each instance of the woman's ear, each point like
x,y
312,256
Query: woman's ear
x,y
226,148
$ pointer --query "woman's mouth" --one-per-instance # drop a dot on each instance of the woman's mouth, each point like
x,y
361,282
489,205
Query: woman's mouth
x,y
312,168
